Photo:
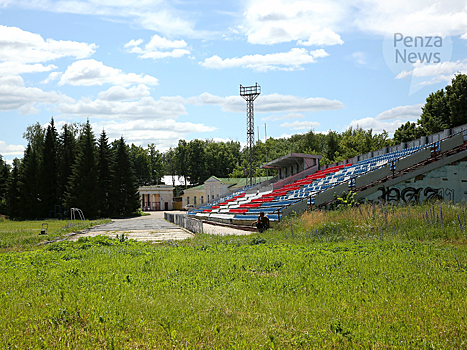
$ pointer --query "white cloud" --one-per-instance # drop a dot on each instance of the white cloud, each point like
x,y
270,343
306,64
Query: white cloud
x,y
292,60
296,125
15,95
164,133
437,69
153,15
293,104
111,104
274,118
16,68
158,47
118,93
273,103
321,22
322,37
11,150
417,17
378,126
278,21
359,57
403,113
24,47
91,72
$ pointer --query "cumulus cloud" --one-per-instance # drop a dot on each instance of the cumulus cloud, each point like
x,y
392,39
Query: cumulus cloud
x,y
24,47
378,126
158,47
292,60
278,21
403,113
16,68
11,150
274,103
126,103
296,125
436,69
164,133
91,72
119,93
15,95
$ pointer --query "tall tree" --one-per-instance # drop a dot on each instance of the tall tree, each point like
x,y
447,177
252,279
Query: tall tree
x,y
157,167
82,188
181,159
48,175
457,100
4,180
196,161
125,199
104,174
407,132
435,115
13,195
66,155
28,186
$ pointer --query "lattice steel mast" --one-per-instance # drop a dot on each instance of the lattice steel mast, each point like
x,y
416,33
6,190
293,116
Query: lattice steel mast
x,y
250,93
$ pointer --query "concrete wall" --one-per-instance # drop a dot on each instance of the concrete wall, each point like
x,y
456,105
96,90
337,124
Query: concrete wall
x,y
448,182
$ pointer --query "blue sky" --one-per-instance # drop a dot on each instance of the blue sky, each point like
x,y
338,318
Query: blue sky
x,y
157,71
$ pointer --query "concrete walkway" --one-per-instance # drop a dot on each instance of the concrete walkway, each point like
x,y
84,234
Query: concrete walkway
x,y
151,228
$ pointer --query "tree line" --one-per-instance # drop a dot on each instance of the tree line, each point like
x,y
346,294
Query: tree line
x,y
69,170
444,109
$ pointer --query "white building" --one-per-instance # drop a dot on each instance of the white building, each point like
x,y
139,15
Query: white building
x,y
158,197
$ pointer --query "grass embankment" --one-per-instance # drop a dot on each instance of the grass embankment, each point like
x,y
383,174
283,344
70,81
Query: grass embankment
x,y
374,277
25,235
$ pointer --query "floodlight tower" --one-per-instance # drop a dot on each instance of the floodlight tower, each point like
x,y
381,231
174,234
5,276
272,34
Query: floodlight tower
x,y
250,93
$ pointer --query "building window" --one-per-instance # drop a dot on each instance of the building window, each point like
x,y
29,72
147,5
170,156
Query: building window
x,y
194,200
187,200
202,200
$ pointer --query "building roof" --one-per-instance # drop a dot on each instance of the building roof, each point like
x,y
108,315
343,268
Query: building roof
x,y
196,188
156,188
290,159
238,181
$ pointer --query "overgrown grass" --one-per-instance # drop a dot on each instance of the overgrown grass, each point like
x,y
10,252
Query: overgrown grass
x,y
339,284
23,235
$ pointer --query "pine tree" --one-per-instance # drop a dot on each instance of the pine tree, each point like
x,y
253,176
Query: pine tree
x,y
125,199
28,184
104,173
4,178
82,188
49,171
67,155
12,196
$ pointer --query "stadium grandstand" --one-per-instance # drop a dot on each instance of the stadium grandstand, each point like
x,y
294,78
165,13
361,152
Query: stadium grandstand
x,y
433,166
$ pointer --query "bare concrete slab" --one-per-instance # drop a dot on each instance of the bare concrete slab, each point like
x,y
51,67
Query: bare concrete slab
x,y
152,228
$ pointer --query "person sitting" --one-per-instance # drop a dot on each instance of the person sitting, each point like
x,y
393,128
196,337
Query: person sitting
x,y
262,223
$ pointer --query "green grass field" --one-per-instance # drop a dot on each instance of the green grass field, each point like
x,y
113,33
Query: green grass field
x,y
368,277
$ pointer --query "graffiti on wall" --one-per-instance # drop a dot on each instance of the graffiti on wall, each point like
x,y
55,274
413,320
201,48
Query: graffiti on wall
x,y
415,195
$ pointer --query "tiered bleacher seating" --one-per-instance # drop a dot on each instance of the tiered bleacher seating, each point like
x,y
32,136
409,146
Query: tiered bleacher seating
x,y
240,206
